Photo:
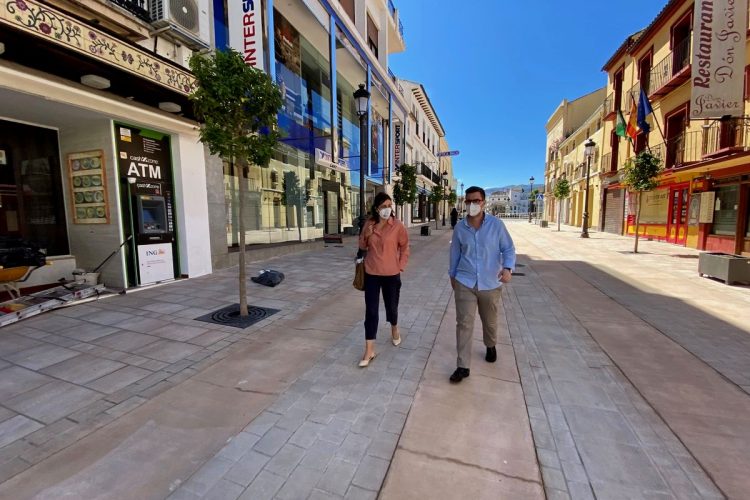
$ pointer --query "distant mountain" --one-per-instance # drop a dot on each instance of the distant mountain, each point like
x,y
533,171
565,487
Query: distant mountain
x,y
525,187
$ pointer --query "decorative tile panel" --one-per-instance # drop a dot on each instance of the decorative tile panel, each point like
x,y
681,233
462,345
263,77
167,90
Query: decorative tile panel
x,y
46,22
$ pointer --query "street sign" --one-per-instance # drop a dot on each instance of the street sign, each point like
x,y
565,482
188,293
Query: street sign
x,y
447,153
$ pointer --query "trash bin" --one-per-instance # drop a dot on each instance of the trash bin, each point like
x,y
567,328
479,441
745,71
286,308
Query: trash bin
x,y
425,231
542,223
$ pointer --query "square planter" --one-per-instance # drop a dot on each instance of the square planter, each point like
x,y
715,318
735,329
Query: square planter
x,y
727,267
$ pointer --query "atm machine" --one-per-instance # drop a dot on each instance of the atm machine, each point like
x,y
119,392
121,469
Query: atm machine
x,y
154,236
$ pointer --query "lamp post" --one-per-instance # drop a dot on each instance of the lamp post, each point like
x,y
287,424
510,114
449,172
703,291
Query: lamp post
x,y
588,152
362,101
531,186
445,186
463,195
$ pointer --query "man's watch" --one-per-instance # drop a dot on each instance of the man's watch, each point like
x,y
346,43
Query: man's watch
x,y
508,269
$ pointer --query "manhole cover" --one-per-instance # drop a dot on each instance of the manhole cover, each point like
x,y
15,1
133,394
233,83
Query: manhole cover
x,y
230,316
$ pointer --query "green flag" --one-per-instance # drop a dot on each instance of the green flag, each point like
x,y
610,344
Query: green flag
x,y
620,124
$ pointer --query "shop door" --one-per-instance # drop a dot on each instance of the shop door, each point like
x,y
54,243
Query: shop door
x,y
613,211
332,212
678,215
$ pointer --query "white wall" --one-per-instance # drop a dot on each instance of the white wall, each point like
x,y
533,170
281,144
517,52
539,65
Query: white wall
x,y
191,205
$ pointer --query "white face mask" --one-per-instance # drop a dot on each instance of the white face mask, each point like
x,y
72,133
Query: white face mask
x,y
385,212
474,209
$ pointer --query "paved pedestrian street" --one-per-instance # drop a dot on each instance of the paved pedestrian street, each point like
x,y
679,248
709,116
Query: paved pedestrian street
x,y
618,376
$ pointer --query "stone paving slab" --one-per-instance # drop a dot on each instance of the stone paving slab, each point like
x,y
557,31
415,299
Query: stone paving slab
x,y
616,403
476,433
332,433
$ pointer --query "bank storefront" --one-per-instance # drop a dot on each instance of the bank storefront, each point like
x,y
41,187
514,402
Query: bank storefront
x,y
311,186
86,172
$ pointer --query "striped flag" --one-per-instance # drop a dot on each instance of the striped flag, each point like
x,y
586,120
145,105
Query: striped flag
x,y
632,129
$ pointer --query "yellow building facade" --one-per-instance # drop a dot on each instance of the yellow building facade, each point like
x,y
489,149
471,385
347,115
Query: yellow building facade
x,y
706,161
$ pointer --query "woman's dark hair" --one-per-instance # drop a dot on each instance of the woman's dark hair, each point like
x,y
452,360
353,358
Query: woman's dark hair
x,y
380,198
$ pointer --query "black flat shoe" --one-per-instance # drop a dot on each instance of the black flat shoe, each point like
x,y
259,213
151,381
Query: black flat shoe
x,y
491,355
459,375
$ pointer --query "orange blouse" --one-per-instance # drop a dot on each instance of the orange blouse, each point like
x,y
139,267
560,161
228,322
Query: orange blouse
x,y
387,247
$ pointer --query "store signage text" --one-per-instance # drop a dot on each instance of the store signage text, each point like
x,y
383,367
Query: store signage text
x,y
246,31
719,29
144,167
397,144
325,157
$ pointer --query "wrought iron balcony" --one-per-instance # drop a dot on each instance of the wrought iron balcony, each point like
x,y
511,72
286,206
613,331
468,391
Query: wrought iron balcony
x,y
137,7
609,106
726,137
680,150
663,77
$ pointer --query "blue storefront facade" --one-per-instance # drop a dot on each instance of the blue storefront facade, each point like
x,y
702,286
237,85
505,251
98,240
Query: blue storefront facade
x,y
314,51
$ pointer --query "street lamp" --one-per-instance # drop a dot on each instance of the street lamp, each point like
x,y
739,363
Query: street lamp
x,y
531,186
463,196
588,152
445,198
362,101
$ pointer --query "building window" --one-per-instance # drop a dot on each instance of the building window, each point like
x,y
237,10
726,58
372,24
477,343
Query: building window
x,y
372,35
348,6
31,188
725,210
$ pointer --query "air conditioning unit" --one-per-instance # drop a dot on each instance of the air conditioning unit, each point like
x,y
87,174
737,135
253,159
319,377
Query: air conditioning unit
x,y
187,20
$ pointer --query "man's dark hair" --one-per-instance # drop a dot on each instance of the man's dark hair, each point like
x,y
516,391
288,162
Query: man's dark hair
x,y
475,189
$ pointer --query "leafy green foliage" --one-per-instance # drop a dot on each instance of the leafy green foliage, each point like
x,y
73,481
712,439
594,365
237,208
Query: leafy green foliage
x,y
561,189
437,194
452,198
641,173
405,189
237,106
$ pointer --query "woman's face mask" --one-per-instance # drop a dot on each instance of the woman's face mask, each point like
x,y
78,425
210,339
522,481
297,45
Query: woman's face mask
x,y
385,212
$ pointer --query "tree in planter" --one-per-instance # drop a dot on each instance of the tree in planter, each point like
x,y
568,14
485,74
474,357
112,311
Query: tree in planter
x,y
405,189
639,175
561,191
436,196
237,106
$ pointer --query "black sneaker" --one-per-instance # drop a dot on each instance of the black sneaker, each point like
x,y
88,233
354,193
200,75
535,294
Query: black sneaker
x,y
459,375
491,355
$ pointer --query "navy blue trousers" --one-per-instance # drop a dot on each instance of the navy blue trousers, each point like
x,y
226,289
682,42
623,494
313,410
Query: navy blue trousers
x,y
391,287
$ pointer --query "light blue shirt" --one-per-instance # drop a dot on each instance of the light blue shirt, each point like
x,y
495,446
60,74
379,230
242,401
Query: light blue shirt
x,y
478,255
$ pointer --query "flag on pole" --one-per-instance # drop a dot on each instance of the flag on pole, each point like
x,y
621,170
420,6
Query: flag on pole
x,y
631,130
620,124
644,109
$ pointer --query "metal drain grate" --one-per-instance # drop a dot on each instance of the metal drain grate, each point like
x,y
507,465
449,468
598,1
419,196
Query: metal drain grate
x,y
230,316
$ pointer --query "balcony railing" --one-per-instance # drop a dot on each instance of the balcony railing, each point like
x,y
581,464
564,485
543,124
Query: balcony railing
x,y
392,9
666,69
137,7
680,150
609,105
726,136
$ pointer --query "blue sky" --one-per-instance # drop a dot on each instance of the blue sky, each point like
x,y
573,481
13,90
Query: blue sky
x,y
496,70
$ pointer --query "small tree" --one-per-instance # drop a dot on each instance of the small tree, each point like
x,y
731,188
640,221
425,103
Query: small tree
x,y
237,106
436,196
451,197
640,175
405,189
561,191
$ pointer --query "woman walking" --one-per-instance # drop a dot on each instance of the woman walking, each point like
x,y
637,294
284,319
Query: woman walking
x,y
385,244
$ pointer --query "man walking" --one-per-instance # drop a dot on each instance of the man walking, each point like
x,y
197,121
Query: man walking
x,y
482,258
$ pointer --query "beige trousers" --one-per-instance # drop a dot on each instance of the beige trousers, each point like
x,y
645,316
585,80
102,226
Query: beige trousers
x,y
468,300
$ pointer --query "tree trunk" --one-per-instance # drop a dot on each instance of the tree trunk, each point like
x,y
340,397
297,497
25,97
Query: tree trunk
x,y
637,222
243,272
559,208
